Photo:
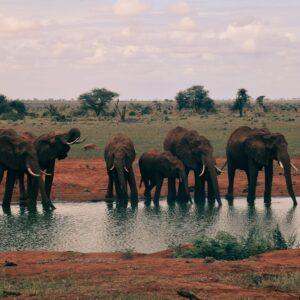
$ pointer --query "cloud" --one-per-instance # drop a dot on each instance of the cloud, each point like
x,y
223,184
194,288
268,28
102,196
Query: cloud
x,y
186,24
291,37
128,8
98,56
179,8
15,25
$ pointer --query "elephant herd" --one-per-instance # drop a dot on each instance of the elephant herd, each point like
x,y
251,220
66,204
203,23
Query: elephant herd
x,y
185,150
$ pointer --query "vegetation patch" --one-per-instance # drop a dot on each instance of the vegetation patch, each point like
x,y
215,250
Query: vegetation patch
x,y
228,247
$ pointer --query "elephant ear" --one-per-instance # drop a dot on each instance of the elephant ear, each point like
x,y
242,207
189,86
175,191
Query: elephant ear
x,y
110,157
44,145
258,149
185,154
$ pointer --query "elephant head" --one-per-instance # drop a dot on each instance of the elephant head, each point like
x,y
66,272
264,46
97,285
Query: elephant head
x,y
17,154
264,147
196,153
54,145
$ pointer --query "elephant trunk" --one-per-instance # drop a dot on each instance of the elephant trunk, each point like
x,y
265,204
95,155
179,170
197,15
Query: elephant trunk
x,y
213,177
184,180
122,188
285,160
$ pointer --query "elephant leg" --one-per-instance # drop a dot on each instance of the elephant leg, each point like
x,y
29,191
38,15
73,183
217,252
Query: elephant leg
x,y
23,194
148,187
1,173
132,185
253,173
110,193
33,190
199,193
171,189
231,174
159,183
210,191
268,182
181,189
9,187
49,178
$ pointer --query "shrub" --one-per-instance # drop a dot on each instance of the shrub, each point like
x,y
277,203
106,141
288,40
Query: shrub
x,y
226,246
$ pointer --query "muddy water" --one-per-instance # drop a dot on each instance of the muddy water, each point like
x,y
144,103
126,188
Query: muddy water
x,y
99,227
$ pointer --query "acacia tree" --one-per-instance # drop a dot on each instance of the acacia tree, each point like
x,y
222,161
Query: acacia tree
x,y
242,99
195,97
97,100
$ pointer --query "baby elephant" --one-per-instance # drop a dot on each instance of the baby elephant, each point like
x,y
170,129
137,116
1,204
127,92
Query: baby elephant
x,y
155,166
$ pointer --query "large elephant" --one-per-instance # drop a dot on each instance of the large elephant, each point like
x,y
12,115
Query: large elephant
x,y
155,166
196,153
253,149
19,155
49,147
119,155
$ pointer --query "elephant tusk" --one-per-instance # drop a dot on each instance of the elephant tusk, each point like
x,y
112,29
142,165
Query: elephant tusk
x,y
203,170
45,173
74,142
78,141
32,173
280,164
225,164
294,167
112,168
218,169
126,169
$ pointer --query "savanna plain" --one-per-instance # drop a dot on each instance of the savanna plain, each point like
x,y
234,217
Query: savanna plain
x,y
174,272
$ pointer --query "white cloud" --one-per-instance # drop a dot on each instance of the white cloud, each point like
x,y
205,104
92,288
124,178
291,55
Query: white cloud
x,y
179,8
128,8
186,24
98,56
15,25
291,37
130,50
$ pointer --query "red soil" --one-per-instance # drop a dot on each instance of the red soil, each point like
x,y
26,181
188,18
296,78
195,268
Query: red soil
x,y
83,180
111,276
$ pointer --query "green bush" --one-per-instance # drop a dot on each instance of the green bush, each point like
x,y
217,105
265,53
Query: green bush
x,y
228,247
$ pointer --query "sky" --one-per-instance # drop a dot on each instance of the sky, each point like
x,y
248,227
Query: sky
x,y
149,49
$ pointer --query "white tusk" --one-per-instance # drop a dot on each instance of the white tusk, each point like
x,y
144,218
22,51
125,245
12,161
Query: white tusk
x,y
45,173
32,173
112,168
294,167
203,170
218,169
71,143
280,164
126,169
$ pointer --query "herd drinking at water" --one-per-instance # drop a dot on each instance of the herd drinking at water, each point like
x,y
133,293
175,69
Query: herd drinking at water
x,y
250,150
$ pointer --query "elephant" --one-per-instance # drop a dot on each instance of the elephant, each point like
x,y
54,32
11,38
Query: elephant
x,y
49,147
19,155
119,154
196,153
253,149
155,166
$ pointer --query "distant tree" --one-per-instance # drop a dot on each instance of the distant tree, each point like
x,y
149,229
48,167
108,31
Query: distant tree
x,y
97,100
195,97
260,101
4,105
242,99
52,110
18,106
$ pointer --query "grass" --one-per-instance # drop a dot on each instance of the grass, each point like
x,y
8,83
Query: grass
x,y
149,131
228,247
285,282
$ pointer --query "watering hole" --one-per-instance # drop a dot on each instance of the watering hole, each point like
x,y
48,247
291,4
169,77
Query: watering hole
x,y
105,227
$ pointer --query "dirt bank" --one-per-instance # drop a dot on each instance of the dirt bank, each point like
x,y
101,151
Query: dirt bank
x,y
73,275
80,180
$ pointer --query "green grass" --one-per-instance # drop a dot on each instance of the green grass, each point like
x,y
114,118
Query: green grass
x,y
285,282
150,131
228,247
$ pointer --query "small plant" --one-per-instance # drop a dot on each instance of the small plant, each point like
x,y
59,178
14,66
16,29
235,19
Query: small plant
x,y
127,253
228,247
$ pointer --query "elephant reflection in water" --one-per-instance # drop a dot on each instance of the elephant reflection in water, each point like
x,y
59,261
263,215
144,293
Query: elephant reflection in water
x,y
253,149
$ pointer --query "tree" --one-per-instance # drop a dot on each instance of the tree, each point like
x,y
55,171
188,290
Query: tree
x,y
195,97
242,99
4,105
18,106
260,101
97,100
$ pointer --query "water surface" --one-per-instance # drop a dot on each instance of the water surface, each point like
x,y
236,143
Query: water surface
x,y
101,227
